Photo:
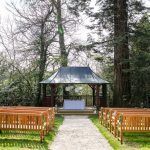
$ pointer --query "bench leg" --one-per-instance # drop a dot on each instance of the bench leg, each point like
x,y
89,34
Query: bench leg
x,y
47,129
115,130
41,136
121,137
0,131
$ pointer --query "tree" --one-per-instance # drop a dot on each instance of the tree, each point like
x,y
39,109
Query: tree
x,y
40,28
140,63
121,53
67,20
117,18
62,46
35,32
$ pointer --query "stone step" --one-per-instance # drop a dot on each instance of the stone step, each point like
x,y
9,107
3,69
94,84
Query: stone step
x,y
75,114
86,111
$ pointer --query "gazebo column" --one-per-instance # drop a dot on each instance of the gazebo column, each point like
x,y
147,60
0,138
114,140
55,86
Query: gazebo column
x,y
44,94
104,92
92,86
97,96
53,91
93,91
44,90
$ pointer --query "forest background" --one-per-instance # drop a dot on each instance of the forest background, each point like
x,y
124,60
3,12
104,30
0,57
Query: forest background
x,y
110,36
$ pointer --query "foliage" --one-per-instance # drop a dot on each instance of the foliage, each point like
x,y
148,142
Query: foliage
x,y
19,88
108,47
26,46
15,140
140,63
34,43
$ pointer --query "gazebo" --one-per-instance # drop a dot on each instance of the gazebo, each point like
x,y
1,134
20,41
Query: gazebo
x,y
75,75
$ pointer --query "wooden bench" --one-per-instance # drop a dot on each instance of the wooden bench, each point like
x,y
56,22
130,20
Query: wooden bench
x,y
132,123
50,109
115,118
24,122
105,115
48,113
45,113
114,112
110,117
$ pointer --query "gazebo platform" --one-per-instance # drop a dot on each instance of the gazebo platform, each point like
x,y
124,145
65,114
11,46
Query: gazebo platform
x,y
86,111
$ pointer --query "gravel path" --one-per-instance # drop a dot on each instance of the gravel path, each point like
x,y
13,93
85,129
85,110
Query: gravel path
x,y
79,133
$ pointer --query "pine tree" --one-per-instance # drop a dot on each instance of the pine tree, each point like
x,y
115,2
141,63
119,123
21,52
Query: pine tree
x,y
140,63
116,17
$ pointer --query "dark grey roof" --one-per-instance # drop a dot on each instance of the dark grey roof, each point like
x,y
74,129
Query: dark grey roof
x,y
70,75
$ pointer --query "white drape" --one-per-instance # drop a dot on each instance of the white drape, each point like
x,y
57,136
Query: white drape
x,y
74,104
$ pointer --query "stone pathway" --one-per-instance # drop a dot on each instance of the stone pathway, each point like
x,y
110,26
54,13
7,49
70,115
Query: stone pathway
x,y
79,133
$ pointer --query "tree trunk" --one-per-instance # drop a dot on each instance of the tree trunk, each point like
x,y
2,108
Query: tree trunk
x,y
42,64
63,53
121,53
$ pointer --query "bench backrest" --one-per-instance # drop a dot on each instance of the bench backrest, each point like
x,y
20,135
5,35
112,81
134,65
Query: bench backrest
x,y
135,122
22,121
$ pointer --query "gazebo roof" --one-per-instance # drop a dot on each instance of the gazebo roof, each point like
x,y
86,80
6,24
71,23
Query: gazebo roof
x,y
74,75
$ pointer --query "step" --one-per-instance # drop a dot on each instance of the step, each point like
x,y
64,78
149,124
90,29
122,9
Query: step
x,y
75,113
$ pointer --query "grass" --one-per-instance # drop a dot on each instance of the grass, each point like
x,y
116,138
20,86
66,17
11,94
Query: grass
x,y
17,140
132,141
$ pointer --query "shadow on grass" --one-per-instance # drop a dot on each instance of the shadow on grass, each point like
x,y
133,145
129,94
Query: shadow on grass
x,y
16,140
23,143
23,140
142,139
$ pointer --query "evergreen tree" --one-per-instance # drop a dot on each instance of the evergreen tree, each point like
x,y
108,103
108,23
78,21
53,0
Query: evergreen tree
x,y
117,17
140,63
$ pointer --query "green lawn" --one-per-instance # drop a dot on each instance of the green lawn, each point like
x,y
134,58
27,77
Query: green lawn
x,y
132,141
15,140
